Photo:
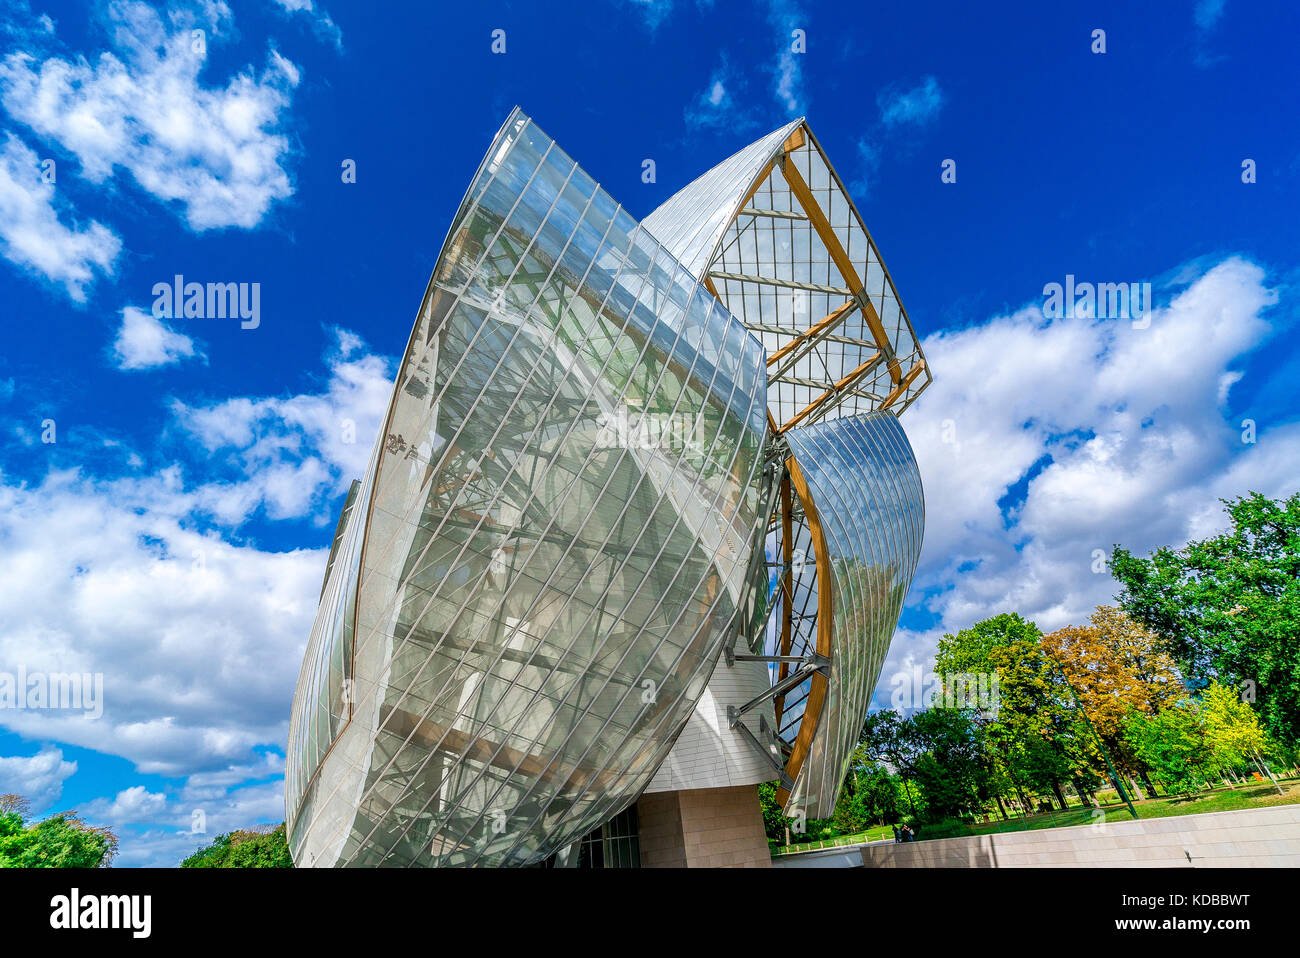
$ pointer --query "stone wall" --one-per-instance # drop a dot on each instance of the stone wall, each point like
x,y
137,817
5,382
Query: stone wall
x,y
1250,838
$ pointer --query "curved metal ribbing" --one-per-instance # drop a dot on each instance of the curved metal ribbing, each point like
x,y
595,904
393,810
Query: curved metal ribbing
x,y
862,477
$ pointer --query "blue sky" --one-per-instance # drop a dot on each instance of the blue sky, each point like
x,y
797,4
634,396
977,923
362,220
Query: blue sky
x,y
174,534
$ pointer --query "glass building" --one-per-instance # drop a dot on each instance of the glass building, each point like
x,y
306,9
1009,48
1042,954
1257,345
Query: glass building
x,y
635,533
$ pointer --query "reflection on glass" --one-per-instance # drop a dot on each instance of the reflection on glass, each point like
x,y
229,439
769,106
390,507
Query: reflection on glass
x,y
558,526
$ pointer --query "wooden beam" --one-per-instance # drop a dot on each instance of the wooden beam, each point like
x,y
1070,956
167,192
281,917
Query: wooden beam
x,y
832,320
902,386
841,259
813,705
787,587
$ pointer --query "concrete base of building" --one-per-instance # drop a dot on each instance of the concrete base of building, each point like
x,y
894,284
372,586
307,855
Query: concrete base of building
x,y
703,828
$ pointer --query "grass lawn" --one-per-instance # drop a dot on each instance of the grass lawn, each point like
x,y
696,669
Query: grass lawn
x,y
1253,795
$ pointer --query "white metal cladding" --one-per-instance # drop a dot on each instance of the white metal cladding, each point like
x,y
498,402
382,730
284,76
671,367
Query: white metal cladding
x,y
560,519
691,222
863,480
321,703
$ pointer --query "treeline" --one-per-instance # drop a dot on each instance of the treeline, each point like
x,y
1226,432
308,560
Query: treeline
x,y
257,847
60,841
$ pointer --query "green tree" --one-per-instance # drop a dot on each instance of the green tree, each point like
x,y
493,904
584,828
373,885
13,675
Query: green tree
x,y
249,848
871,796
1229,606
60,841
1172,744
971,650
950,767
1232,730
774,823
884,740
1036,741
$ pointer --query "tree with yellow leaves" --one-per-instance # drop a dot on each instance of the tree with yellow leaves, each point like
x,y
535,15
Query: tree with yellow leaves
x,y
1232,731
1117,667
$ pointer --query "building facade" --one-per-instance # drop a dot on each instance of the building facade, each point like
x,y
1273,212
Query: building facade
x,y
634,536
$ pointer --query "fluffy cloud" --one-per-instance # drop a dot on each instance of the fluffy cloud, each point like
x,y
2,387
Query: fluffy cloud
x,y
1042,442
134,804
32,234
161,829
38,778
144,342
198,633
215,151
290,451
196,637
918,105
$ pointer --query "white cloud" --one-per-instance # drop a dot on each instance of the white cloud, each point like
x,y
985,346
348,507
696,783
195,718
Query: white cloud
x,y
716,104
323,25
918,105
144,342
785,16
1130,435
32,235
297,449
38,778
216,151
158,829
23,25
134,804
899,107
198,634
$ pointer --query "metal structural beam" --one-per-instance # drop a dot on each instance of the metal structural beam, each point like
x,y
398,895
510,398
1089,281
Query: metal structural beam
x,y
782,283
773,214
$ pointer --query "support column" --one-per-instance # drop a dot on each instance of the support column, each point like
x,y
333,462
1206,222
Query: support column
x,y
703,828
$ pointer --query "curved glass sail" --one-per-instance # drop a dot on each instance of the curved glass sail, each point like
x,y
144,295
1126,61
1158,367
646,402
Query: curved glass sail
x,y
556,533
867,516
